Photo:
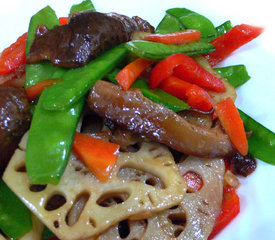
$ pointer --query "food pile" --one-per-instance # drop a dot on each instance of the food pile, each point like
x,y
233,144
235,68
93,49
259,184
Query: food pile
x,y
113,129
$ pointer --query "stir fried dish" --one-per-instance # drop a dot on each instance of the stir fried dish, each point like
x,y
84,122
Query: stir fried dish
x,y
114,129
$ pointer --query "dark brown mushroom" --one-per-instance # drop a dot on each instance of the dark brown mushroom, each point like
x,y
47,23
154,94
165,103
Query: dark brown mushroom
x,y
87,35
130,109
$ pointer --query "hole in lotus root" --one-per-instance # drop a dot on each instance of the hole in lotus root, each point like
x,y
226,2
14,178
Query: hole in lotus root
x,y
131,148
56,224
123,229
112,199
77,208
174,207
178,156
55,202
92,222
178,232
151,181
193,181
78,168
21,169
178,219
133,174
37,188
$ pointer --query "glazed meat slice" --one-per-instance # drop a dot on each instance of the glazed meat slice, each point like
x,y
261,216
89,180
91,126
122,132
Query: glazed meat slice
x,y
87,35
130,109
14,121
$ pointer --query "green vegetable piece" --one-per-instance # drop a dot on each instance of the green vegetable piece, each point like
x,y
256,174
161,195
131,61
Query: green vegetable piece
x,y
262,141
50,140
160,96
223,28
236,75
156,95
47,234
193,20
169,24
83,6
77,82
112,75
220,30
45,16
40,71
157,51
15,217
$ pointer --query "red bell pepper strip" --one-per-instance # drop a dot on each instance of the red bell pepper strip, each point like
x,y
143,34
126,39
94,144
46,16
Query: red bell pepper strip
x,y
176,87
63,20
195,96
34,90
164,69
98,155
176,37
232,40
198,98
187,69
231,121
192,72
230,209
130,73
13,56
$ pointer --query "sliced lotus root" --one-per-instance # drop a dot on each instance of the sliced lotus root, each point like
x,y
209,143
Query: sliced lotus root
x,y
80,206
193,218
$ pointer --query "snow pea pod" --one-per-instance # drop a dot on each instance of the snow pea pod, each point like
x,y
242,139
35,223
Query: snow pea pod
x,y
220,30
193,20
83,6
50,140
45,70
15,217
223,28
262,141
157,51
45,16
236,75
169,24
51,133
78,81
156,95
159,96
47,234
40,71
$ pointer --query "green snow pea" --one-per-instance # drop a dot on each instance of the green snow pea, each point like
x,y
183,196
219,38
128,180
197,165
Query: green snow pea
x,y
159,96
169,24
40,71
47,234
220,30
236,75
193,20
78,81
262,141
223,28
83,6
50,140
15,217
157,51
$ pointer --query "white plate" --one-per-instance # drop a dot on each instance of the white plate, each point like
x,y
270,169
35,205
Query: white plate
x,y
257,193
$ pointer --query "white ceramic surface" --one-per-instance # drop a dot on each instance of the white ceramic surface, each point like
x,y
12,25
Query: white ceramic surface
x,y
257,193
